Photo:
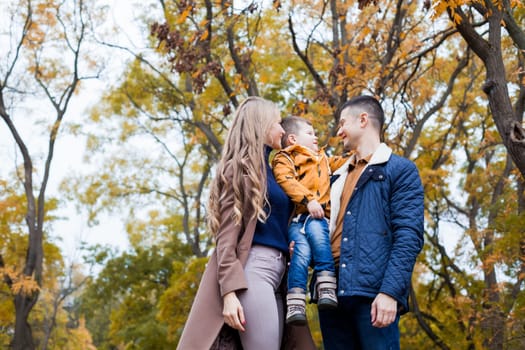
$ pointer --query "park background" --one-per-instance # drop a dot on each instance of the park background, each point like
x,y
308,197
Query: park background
x,y
114,113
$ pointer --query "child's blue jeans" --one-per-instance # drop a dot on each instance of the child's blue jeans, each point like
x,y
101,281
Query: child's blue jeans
x,y
312,243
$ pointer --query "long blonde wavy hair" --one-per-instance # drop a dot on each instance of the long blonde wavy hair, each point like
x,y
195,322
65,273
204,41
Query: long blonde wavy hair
x,y
243,151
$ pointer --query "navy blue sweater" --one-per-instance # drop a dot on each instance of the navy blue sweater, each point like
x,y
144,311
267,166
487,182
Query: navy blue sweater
x,y
274,232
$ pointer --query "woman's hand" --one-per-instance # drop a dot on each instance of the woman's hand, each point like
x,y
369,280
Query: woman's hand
x,y
233,312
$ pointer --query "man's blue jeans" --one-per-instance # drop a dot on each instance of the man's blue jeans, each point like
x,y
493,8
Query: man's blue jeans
x,y
312,242
349,327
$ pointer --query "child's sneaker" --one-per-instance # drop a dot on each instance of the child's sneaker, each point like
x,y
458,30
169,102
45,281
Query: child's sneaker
x,y
326,285
296,308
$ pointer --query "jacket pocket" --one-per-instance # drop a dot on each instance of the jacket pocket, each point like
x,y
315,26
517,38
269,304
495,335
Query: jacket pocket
x,y
374,252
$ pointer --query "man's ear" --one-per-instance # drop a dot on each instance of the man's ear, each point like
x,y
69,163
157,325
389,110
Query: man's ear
x,y
363,119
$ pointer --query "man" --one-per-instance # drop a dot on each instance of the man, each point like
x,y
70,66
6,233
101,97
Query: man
x,y
376,231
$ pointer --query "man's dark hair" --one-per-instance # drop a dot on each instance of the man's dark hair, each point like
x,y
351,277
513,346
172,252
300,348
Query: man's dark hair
x,y
291,125
371,106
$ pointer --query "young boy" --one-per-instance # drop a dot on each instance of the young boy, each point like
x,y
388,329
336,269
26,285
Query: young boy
x,y
303,171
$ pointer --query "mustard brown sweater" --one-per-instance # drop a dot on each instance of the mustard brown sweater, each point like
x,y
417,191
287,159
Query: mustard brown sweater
x,y
305,175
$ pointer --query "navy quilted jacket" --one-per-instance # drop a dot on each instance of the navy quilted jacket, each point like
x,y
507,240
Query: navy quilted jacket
x,y
382,228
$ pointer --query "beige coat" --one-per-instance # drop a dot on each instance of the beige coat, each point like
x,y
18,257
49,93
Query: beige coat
x,y
225,273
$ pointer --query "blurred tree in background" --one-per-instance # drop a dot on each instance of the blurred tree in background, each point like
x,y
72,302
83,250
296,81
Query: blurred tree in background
x,y
43,64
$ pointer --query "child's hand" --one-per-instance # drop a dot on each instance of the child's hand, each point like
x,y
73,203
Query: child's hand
x,y
315,209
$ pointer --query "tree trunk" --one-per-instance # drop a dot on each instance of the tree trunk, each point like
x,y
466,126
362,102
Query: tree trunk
x,y
507,122
493,320
509,127
23,338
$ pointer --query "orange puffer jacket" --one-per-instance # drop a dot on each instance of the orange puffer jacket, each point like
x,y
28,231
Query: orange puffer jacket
x,y
305,175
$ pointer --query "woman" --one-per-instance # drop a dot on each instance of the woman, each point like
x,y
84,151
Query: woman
x,y
239,296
